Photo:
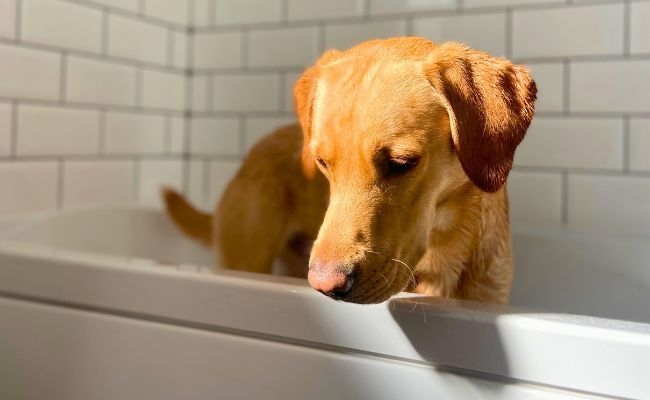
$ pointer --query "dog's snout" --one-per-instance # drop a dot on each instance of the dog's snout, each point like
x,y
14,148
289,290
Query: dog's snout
x,y
332,281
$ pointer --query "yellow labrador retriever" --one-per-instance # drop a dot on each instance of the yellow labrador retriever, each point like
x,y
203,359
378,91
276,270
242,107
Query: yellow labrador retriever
x,y
398,177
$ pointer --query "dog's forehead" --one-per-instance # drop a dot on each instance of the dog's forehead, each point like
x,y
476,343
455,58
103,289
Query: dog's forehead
x,y
371,100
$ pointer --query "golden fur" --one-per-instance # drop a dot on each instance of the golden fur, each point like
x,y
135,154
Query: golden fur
x,y
413,142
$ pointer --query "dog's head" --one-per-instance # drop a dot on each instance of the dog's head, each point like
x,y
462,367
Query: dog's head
x,y
395,125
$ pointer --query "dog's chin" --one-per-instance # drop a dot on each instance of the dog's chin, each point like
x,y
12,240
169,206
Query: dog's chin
x,y
373,292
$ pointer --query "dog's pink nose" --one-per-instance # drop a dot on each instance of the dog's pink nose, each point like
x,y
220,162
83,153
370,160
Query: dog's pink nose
x,y
331,281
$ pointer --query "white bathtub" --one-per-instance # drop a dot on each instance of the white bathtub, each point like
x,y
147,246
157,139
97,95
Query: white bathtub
x,y
115,304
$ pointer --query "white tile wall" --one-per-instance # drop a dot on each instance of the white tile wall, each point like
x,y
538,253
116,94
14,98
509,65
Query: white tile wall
x,y
640,144
610,86
228,12
202,13
58,23
27,73
56,131
639,27
535,198
343,36
155,174
490,38
33,187
245,92
129,5
215,136
584,30
258,127
290,79
409,6
100,82
201,90
561,142
611,204
219,175
163,90
179,45
318,9
197,190
174,11
131,133
6,120
549,78
217,50
496,3
177,135
8,18
90,183
284,47
136,39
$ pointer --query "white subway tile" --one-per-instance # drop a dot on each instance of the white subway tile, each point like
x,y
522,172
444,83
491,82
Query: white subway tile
x,y
217,50
202,13
156,174
6,118
61,24
245,92
130,133
283,47
561,32
174,11
535,199
257,128
29,73
200,91
549,78
215,136
639,27
163,90
137,40
343,36
60,131
197,192
33,187
90,183
229,12
491,37
177,135
100,82
409,6
318,9
220,175
497,3
640,144
179,58
614,86
129,5
611,204
562,142
290,79
8,18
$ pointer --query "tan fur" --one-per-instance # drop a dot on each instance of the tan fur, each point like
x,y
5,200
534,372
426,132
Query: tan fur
x,y
439,227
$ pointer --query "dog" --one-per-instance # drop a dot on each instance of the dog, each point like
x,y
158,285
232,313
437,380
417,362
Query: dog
x,y
395,179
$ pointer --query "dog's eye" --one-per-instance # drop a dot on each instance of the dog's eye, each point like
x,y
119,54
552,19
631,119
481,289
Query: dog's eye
x,y
321,162
399,166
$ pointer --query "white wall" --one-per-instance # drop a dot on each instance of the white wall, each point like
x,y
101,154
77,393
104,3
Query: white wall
x,y
108,78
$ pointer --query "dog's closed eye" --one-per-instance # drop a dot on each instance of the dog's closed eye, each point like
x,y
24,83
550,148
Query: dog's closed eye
x,y
400,165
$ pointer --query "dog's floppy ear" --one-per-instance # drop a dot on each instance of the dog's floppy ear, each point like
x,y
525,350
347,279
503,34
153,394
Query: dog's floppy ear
x,y
490,103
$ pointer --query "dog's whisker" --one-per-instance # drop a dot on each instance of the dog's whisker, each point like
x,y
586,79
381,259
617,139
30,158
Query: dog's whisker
x,y
386,279
412,277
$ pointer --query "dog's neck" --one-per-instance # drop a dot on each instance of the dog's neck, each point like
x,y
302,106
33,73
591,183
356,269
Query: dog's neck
x,y
465,218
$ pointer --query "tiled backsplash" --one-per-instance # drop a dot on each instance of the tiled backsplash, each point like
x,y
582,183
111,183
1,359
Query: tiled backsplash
x,y
96,97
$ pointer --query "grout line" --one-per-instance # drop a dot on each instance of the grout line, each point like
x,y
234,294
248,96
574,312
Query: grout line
x,y
139,88
509,36
171,48
626,143
141,8
19,21
167,134
101,143
136,180
365,9
408,26
93,106
584,58
205,184
191,5
320,38
105,32
242,134
284,12
105,157
282,89
564,212
60,182
566,92
13,150
212,13
245,47
627,26
209,93
460,5
63,78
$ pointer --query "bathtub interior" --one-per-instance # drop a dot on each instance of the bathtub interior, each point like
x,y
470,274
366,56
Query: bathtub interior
x,y
555,271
